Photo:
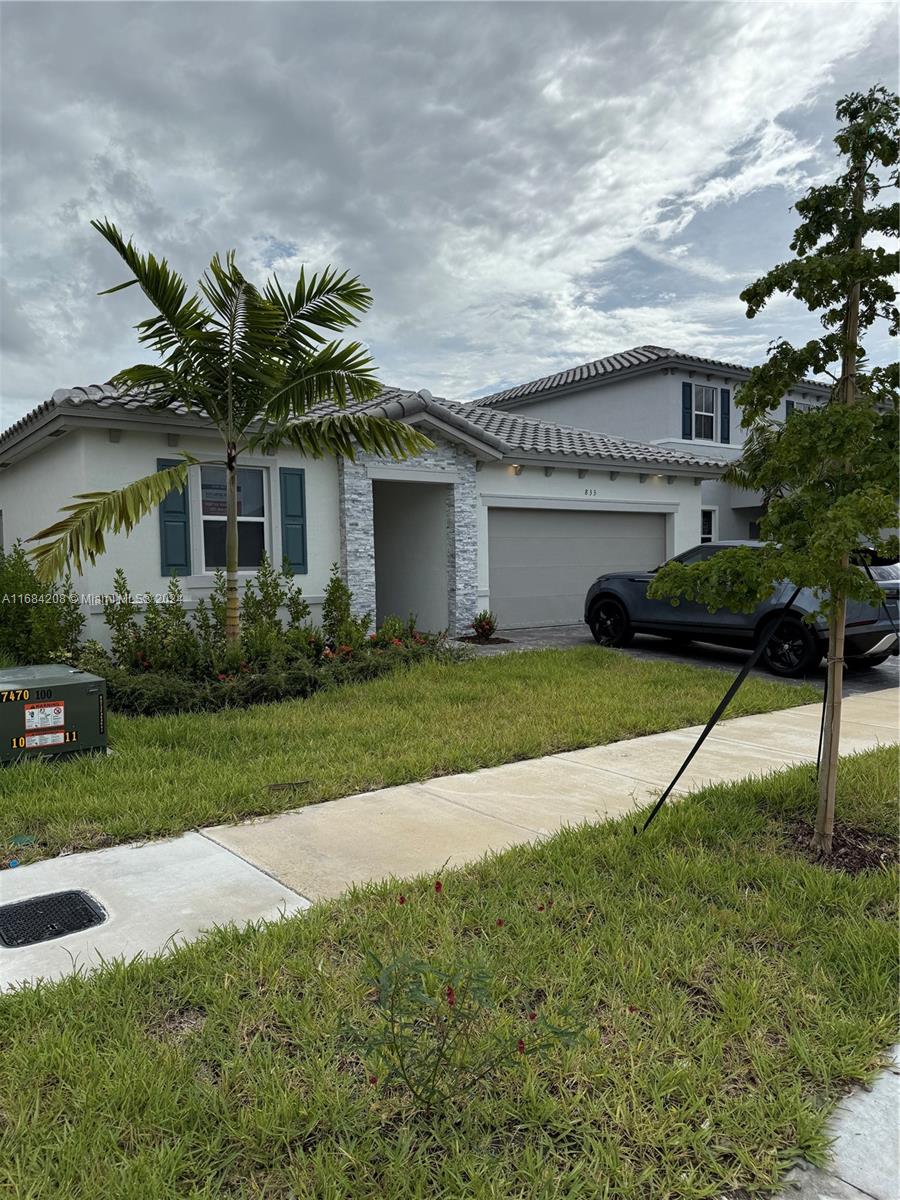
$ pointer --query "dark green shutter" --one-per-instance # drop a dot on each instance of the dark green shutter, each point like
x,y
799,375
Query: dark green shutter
x,y
725,414
174,527
687,410
293,518
788,407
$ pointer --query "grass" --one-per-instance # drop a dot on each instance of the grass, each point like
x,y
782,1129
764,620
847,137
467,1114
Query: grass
x,y
729,990
169,774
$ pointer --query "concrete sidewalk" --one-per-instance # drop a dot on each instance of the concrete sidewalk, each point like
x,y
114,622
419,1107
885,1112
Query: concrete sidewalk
x,y
155,896
322,850
164,892
864,1163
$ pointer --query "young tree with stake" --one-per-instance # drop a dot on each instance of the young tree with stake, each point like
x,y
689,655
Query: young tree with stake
x,y
828,475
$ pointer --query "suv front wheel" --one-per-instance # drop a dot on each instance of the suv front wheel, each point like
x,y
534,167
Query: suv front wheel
x,y
792,650
610,623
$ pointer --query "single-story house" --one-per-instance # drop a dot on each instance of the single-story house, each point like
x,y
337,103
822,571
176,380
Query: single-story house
x,y
506,512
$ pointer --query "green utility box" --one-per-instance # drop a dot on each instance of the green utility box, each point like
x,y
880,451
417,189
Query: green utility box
x,y
51,710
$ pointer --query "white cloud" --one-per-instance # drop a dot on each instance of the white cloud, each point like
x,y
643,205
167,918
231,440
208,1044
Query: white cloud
x,y
485,169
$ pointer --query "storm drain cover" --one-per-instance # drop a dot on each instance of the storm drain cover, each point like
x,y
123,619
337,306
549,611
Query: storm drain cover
x,y
44,917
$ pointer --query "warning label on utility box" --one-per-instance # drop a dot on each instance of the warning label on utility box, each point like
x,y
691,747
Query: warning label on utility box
x,y
45,716
55,738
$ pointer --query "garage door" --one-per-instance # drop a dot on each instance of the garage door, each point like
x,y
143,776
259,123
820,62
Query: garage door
x,y
542,561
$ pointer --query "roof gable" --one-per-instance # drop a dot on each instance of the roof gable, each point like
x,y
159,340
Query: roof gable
x,y
599,371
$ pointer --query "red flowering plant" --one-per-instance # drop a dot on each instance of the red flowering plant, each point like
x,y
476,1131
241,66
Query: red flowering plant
x,y
484,625
436,1034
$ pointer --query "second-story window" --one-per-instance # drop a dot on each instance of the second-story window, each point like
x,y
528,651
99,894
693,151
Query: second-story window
x,y
705,412
707,525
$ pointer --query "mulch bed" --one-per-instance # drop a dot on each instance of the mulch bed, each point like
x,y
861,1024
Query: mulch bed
x,y
491,641
853,850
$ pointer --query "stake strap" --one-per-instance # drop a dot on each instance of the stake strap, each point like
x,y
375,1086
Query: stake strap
x,y
723,704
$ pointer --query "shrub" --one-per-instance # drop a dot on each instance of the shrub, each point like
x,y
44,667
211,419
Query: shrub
x,y
261,628
168,641
120,615
35,625
484,624
436,1036
172,662
339,625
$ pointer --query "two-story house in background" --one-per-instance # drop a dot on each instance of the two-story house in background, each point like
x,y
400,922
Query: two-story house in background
x,y
664,398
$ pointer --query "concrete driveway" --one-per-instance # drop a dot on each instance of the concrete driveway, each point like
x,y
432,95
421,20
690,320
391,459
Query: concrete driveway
x,y
698,654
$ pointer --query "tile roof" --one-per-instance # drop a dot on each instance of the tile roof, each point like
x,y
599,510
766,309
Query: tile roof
x,y
104,395
504,433
525,435
600,370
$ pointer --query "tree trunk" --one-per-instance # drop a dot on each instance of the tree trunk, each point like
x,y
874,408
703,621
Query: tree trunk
x,y
232,610
828,767
821,839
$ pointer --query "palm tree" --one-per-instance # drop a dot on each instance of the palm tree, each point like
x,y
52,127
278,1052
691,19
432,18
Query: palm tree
x,y
254,364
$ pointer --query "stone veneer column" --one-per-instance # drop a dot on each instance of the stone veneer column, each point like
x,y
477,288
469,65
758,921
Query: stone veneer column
x,y
462,546
357,534
358,528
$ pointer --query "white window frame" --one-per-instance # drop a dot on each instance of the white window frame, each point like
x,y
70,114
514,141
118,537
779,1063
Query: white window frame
x,y
695,412
714,525
202,517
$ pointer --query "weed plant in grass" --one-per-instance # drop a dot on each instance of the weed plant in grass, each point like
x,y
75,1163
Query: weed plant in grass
x,y
728,992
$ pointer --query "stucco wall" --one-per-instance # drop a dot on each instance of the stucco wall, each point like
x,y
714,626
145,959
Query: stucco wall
x,y
679,500
735,509
646,408
32,491
411,551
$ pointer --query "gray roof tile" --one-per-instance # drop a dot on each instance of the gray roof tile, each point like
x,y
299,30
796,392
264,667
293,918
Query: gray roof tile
x,y
524,435
636,359
506,433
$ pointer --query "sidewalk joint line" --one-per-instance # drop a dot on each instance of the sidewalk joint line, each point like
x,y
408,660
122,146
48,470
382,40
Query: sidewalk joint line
x,y
471,808
256,867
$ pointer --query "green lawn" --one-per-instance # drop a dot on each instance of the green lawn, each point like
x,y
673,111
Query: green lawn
x,y
729,991
169,774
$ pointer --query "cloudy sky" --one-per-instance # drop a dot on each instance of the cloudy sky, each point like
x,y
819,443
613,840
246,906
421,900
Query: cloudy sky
x,y
524,187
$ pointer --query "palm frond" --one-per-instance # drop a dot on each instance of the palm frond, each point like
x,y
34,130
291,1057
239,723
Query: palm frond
x,y
331,301
161,386
180,325
345,434
81,534
339,372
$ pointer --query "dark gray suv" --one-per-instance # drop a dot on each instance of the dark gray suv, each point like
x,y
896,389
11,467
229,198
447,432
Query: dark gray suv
x,y
617,606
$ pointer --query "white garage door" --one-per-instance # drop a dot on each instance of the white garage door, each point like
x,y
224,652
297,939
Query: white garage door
x,y
542,561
